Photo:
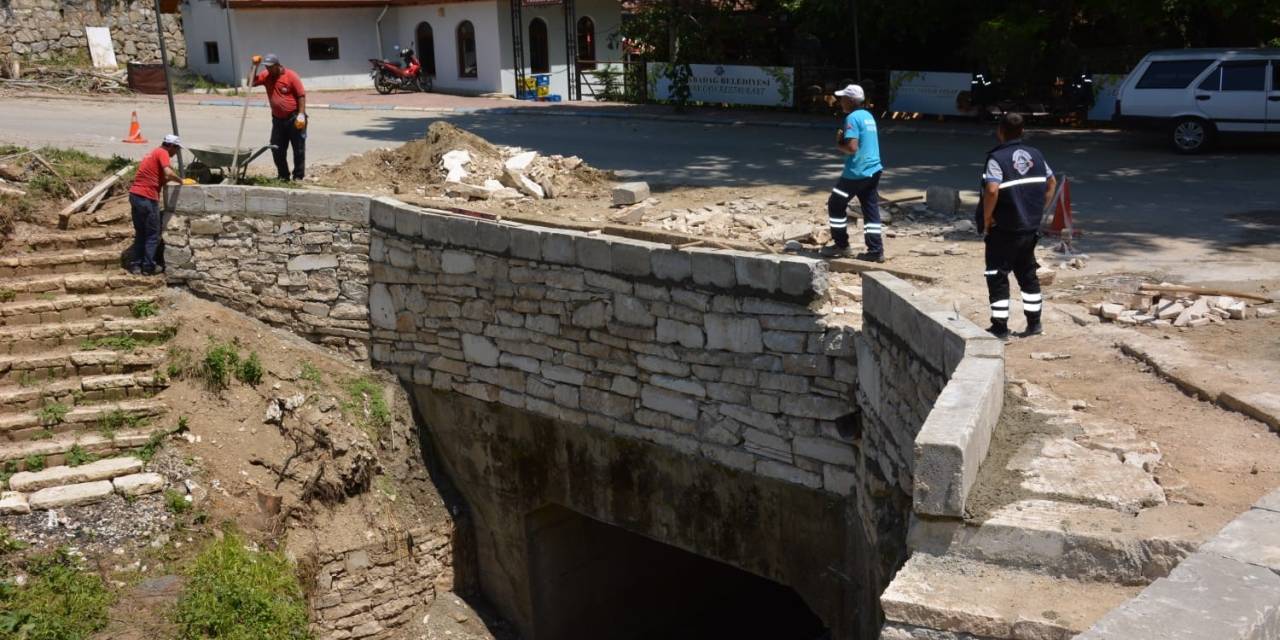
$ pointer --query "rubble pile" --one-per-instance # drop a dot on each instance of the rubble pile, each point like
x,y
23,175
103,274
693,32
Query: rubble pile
x,y
1175,309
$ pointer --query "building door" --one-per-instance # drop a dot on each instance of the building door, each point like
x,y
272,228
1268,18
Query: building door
x,y
539,56
426,48
586,43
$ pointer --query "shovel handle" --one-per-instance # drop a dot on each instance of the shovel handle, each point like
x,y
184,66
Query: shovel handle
x,y
244,112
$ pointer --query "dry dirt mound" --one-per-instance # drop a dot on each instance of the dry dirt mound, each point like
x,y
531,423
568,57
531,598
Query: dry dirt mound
x,y
420,163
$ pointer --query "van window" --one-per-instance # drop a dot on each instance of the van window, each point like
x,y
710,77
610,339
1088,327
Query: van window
x,y
1172,74
1244,76
1213,81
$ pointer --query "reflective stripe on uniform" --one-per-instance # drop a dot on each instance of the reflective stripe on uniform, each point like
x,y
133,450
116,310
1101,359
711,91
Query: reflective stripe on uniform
x,y
993,272
840,193
1031,308
1014,183
1000,304
1032,297
1000,314
839,223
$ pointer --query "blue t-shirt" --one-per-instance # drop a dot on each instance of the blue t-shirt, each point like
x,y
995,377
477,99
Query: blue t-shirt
x,y
861,126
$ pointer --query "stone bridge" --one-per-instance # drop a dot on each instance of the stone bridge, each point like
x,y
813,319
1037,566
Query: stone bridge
x,y
635,428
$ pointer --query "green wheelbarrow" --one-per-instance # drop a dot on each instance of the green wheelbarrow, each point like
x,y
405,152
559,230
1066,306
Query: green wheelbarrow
x,y
214,162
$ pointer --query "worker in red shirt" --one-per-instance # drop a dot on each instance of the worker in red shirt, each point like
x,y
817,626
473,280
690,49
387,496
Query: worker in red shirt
x,y
288,100
144,198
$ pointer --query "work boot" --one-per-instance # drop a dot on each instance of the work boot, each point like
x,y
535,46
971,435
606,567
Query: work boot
x,y
867,256
999,330
1034,328
834,251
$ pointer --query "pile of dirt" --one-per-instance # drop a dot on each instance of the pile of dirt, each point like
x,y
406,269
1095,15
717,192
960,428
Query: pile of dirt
x,y
420,165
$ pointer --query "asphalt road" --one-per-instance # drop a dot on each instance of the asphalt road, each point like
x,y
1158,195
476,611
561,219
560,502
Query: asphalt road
x,y
1210,217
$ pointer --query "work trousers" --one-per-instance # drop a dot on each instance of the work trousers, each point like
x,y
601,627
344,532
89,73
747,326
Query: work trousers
x,y
1010,251
864,189
146,232
284,134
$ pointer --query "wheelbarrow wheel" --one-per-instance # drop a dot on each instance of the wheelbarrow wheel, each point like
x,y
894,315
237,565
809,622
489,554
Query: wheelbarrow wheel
x,y
200,172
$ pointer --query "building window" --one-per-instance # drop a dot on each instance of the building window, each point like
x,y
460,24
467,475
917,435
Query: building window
x,y
211,53
539,59
467,50
586,43
426,48
322,48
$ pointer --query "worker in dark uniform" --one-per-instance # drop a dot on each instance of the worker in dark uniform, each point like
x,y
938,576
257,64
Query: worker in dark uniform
x,y
1017,187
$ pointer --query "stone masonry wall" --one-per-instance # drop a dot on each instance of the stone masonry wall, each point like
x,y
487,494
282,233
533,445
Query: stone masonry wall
x,y
43,29
370,592
711,353
306,272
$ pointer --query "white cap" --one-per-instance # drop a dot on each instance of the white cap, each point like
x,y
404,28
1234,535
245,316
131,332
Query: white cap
x,y
173,141
852,91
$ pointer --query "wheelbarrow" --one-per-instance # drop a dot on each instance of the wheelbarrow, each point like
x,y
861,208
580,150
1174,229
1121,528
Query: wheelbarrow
x,y
214,162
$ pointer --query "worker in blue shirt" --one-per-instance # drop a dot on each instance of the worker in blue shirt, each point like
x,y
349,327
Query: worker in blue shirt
x,y
859,141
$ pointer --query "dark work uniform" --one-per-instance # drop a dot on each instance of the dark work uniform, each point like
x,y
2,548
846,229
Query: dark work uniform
x,y
1022,174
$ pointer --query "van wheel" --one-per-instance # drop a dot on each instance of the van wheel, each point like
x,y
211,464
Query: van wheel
x,y
1191,135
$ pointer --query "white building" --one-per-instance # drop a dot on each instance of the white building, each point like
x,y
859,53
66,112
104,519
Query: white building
x,y
466,44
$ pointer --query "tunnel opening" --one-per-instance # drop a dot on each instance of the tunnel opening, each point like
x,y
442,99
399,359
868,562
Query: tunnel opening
x,y
602,582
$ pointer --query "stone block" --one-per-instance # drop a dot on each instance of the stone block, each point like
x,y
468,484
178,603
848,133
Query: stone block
x,y
71,495
815,407
758,272
829,451
633,257
526,242
479,350
670,264
788,473
786,341
1253,538
594,253
224,199
669,402
803,277
632,311
382,213
457,262
210,226
14,503
1270,502
944,200
557,247
493,238
308,204
739,334
462,232
609,404
630,193
686,335
350,207
1205,596
954,439
837,480
139,484
382,310
184,199
27,481
714,268
312,262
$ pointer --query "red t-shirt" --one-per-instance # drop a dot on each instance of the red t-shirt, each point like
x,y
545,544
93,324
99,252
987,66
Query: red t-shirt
x,y
150,174
283,91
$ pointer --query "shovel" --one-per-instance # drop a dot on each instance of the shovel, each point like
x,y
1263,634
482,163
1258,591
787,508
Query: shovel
x,y
235,160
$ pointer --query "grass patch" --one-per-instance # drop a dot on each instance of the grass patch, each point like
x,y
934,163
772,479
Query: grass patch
x,y
59,601
47,296
115,420
153,445
33,463
239,594
220,360
78,456
367,405
267,181
7,470
250,370
144,309
310,373
176,502
128,342
180,362
51,414
7,295
27,379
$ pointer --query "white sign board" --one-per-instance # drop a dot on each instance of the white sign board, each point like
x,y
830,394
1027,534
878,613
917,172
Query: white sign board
x,y
101,49
931,92
1105,87
717,83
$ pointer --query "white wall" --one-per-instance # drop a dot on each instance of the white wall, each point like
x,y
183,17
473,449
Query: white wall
x,y
444,20
607,15
284,32
205,21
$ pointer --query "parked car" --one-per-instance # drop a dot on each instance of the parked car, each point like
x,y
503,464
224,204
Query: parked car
x,y
1198,94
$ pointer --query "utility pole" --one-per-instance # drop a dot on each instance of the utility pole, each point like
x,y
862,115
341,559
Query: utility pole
x,y
168,80
857,48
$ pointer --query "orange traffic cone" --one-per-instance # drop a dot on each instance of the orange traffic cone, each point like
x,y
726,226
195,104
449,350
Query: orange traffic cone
x,y
135,131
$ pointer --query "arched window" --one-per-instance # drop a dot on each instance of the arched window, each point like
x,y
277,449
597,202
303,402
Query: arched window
x,y
467,50
539,59
586,43
426,48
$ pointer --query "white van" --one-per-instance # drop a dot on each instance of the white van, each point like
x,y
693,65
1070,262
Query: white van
x,y
1195,94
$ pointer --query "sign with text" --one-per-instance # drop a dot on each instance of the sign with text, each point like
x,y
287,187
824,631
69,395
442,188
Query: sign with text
x,y
726,84
931,92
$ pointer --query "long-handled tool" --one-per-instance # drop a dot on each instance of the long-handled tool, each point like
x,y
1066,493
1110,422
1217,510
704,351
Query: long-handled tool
x,y
244,113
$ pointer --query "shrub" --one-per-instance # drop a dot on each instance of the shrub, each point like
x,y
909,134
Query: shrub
x,y
144,309
117,419
176,502
78,456
220,360
51,414
234,593
33,463
60,601
250,370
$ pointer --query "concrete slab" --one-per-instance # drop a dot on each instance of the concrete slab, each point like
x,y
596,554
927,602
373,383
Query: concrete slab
x,y
1061,468
1206,597
71,495
956,435
1253,538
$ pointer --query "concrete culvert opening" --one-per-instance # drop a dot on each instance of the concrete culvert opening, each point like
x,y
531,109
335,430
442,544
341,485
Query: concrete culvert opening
x,y
600,582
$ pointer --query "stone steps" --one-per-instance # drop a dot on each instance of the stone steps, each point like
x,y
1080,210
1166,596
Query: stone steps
x,y
37,338
34,287
105,469
1068,540
81,493
55,262
68,362
29,425
990,602
71,308
54,450
78,391
117,237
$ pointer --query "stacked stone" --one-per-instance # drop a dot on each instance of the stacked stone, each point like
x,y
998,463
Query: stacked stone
x,y
293,259
372,591
43,29
712,353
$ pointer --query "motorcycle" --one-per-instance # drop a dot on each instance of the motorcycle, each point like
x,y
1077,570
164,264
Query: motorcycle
x,y
389,76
